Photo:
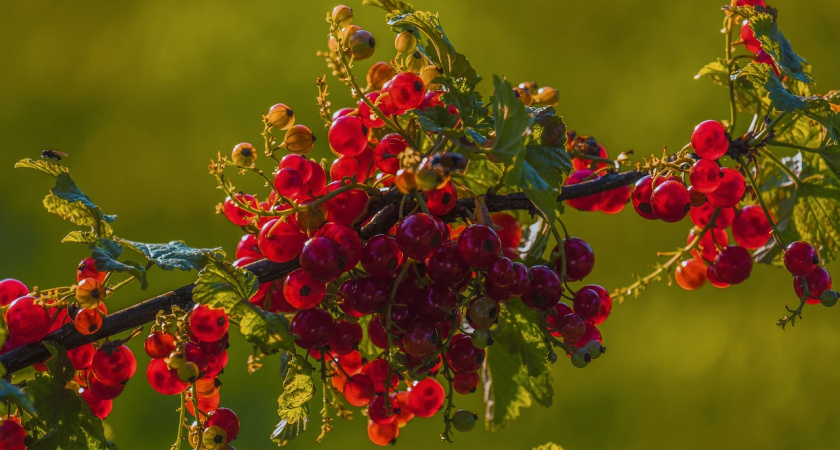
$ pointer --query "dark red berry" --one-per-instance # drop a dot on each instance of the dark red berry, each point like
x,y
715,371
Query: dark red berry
x,y
347,238
544,290
280,241
387,151
733,265
421,340
345,207
82,357
381,256
705,175
345,337
462,355
27,321
99,407
571,327
818,282
587,303
302,290
418,235
300,164
580,259
370,294
436,303
465,382
11,290
479,246
441,201
406,91
709,140
700,216
640,198
323,259
368,116
589,202
313,328
751,229
730,191
445,265
208,324
359,390
348,136
670,201
113,365
801,258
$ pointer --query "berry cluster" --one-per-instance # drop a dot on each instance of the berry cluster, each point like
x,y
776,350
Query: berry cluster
x,y
590,161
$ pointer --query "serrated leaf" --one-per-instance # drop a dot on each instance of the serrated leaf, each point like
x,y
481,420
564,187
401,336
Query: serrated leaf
x,y
298,390
773,42
432,41
762,77
517,373
63,420
831,156
715,71
43,165
222,285
436,119
175,254
106,260
286,431
808,212
512,121
475,115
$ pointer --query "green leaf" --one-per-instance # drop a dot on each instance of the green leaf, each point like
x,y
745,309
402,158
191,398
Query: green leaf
x,y
105,258
778,47
298,390
63,420
547,150
746,96
436,120
175,254
475,115
432,41
12,393
762,77
222,285
517,373
512,121
808,212
44,165
831,156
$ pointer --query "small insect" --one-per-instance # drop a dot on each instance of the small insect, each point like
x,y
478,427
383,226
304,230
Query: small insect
x,y
449,161
53,154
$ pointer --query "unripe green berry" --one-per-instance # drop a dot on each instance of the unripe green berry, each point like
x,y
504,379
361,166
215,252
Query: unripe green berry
x,y
581,357
361,45
343,15
405,42
829,298
595,349
464,420
244,155
415,62
481,338
188,372
483,312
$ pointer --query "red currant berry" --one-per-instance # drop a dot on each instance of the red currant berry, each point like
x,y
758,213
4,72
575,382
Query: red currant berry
x,y
213,348
690,274
445,265
113,365
12,434
418,235
99,407
27,321
501,272
289,184
711,275
588,203
642,192
705,175
421,340
441,201
545,289
323,259
302,290
818,282
10,290
317,181
379,413
280,241
103,391
378,370
426,398
580,259
247,248
733,265
370,294
345,207
614,200
571,327
235,214
347,166
87,269
405,415
359,390
383,435
479,246
605,305
225,419
313,328
387,151
587,303
801,258
208,324
700,216
345,337
406,91
591,333
81,357
347,238
751,229
465,382
670,201
731,189
215,364
436,303
463,356
298,163
381,256
591,148
368,116
88,320
521,280
752,44
710,140
510,233
348,136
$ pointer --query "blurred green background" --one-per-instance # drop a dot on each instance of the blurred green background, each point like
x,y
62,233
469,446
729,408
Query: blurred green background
x,y
143,94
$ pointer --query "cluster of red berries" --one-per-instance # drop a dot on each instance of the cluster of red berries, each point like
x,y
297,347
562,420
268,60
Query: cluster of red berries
x,y
590,165
751,43
12,434
188,358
